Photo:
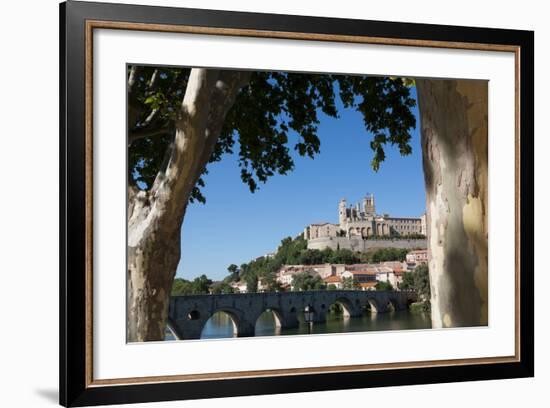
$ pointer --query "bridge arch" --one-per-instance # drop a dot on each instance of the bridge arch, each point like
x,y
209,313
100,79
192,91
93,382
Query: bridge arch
x,y
268,322
215,326
171,332
346,305
373,305
393,304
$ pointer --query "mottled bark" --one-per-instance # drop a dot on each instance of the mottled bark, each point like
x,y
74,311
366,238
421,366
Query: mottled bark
x,y
454,147
155,216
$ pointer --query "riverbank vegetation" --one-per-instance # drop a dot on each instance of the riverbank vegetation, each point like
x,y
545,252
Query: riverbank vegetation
x,y
383,285
419,281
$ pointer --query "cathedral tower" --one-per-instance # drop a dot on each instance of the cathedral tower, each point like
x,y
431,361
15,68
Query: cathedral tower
x,y
342,216
368,205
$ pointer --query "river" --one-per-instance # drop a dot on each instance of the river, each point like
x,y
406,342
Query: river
x,y
221,326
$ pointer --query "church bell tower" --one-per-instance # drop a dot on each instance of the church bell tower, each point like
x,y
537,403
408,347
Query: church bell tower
x,y
342,216
368,205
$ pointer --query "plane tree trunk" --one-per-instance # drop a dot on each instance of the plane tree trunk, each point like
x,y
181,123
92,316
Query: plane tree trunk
x,y
155,216
453,117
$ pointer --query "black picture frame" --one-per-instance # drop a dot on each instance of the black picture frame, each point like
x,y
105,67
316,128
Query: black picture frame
x,y
74,390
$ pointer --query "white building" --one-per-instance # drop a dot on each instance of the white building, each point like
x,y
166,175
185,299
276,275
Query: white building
x,y
417,257
239,286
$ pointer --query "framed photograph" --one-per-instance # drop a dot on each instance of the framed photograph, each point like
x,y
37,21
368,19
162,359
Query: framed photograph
x,y
256,204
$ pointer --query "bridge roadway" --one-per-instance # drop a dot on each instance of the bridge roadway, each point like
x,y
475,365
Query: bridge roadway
x,y
188,314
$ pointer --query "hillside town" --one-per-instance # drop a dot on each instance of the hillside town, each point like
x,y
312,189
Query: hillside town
x,y
360,276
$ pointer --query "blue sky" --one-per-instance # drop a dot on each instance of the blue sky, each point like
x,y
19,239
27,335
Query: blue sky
x,y
235,226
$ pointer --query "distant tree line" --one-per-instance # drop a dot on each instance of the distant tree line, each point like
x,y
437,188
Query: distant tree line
x,y
198,286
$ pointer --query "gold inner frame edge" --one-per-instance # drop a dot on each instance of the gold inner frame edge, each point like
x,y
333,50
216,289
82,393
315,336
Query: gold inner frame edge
x,y
104,24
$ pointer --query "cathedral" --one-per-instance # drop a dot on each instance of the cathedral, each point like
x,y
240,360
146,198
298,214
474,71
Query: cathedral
x,y
361,221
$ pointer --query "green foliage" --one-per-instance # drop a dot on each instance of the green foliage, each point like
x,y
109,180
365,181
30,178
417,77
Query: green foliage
x,y
306,281
349,284
343,256
332,286
153,102
311,257
422,281
419,281
221,288
233,273
390,254
290,251
251,283
385,254
274,108
420,307
394,235
181,287
408,281
271,284
380,285
198,286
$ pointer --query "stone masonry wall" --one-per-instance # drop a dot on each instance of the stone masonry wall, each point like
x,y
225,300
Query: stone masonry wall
x,y
362,245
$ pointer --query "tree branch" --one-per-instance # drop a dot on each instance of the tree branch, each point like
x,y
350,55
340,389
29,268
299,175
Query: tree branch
x,y
227,88
208,97
153,80
172,186
132,76
147,131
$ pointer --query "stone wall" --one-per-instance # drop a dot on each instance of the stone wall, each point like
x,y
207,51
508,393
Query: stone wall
x,y
361,245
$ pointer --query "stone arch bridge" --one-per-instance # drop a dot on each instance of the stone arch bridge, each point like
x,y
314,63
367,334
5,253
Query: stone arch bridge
x,y
188,314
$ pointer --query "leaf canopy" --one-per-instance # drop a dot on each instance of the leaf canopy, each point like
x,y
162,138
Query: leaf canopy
x,y
268,113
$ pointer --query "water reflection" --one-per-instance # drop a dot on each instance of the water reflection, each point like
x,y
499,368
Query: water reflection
x,y
221,325
268,324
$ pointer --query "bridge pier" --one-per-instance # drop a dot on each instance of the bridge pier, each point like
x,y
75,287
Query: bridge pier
x,y
382,308
400,305
246,329
289,321
188,330
319,317
356,312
